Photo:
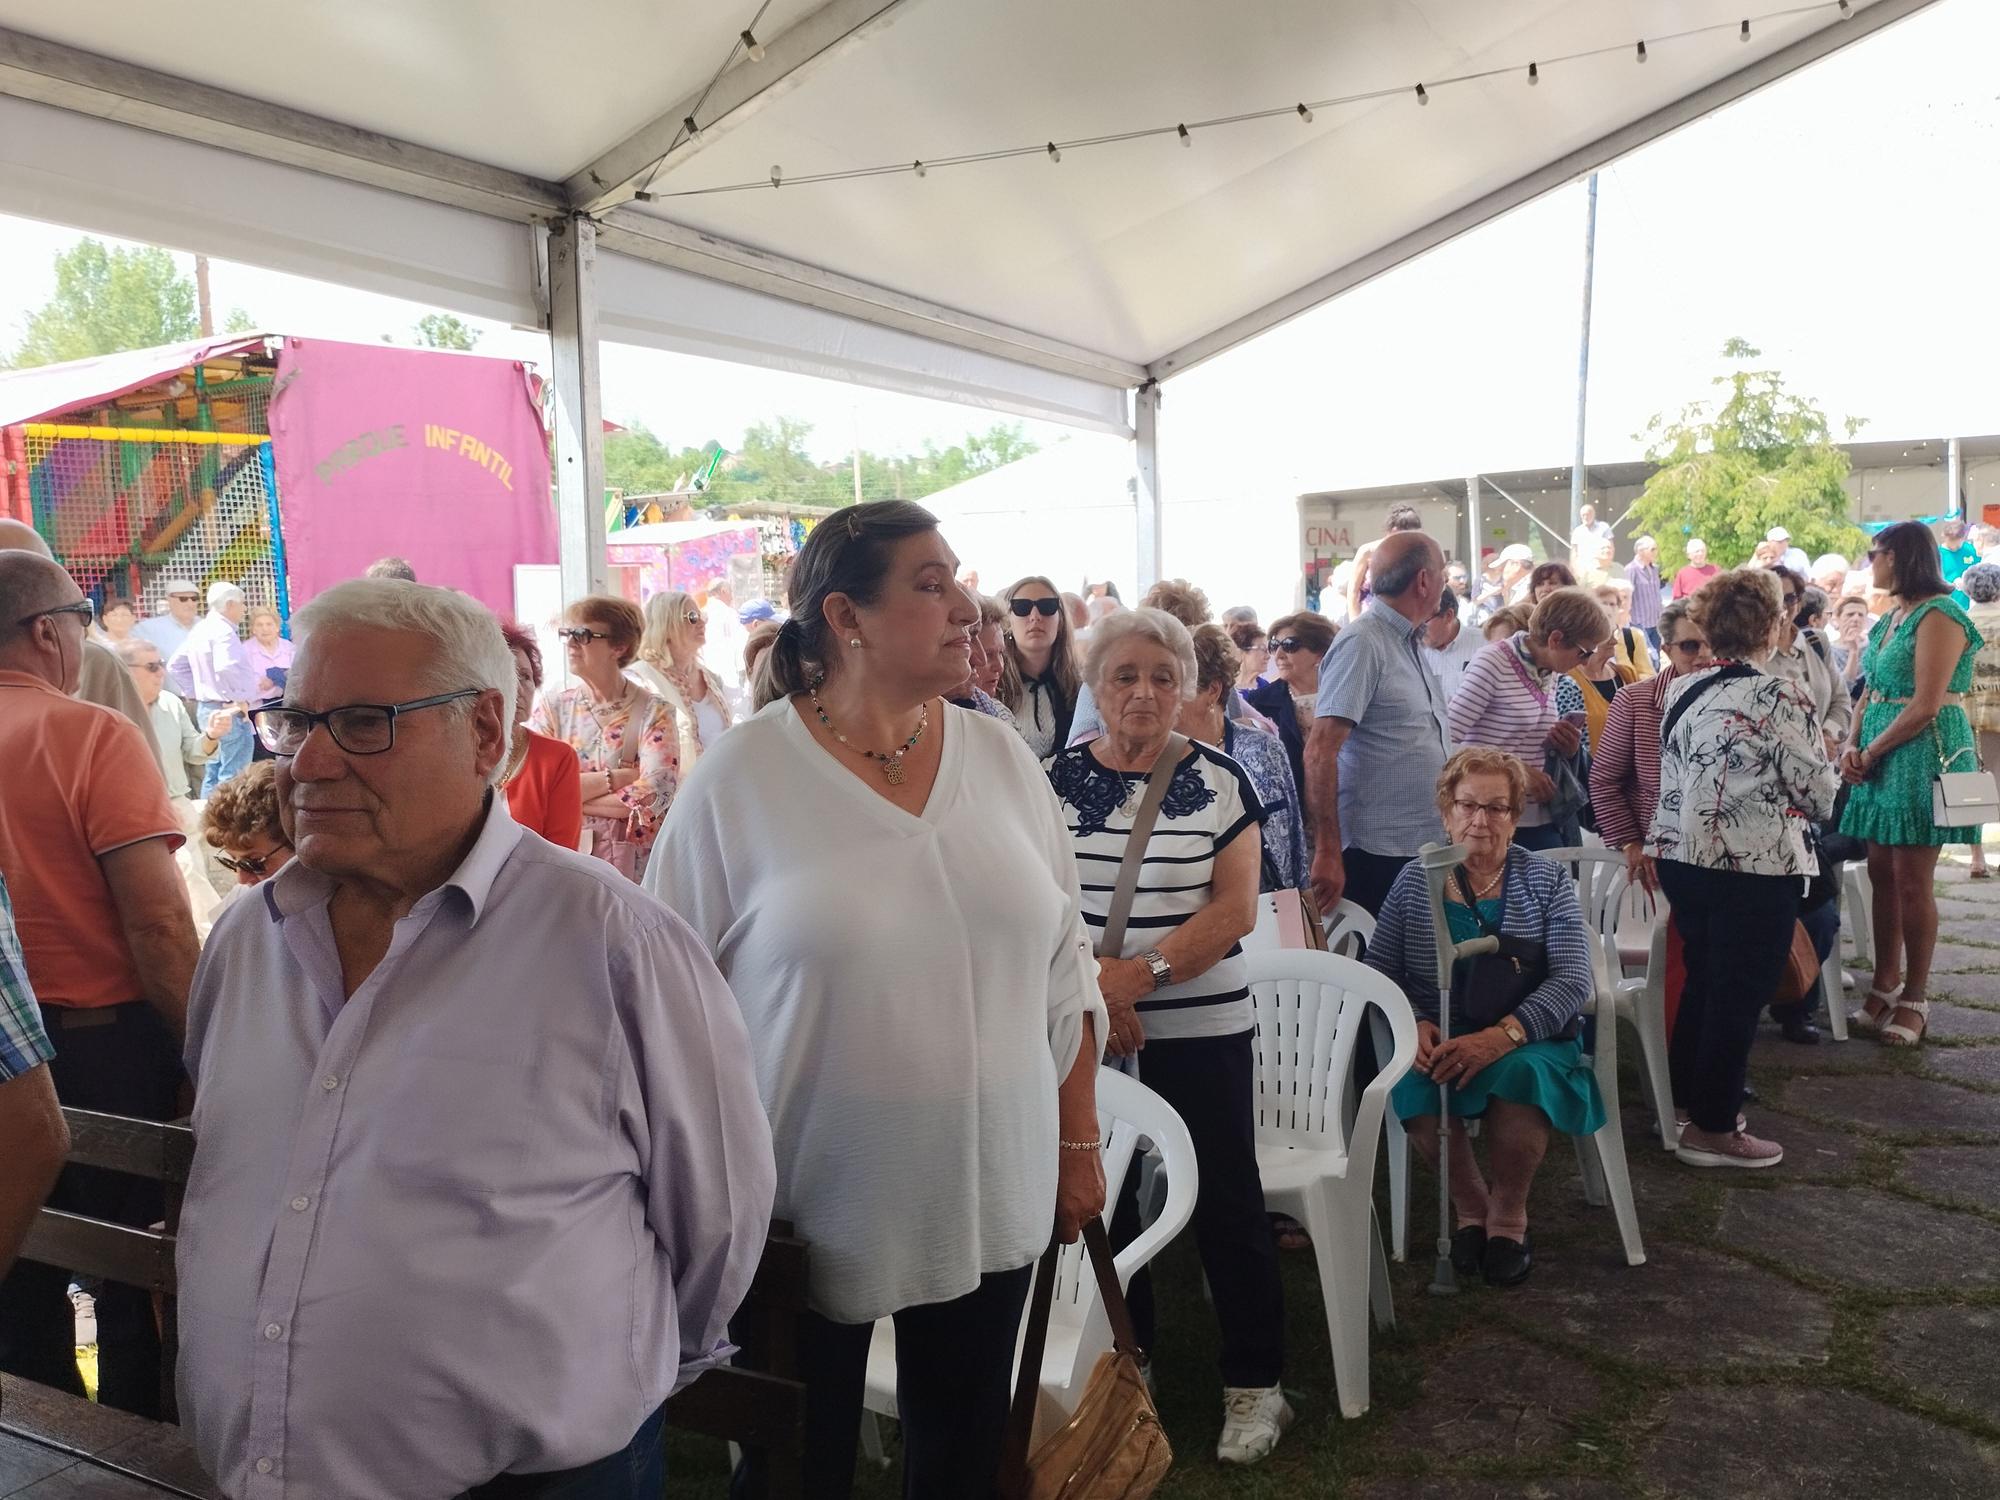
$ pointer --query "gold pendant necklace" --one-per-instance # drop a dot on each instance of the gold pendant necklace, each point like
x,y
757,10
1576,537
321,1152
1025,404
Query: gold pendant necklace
x,y
892,760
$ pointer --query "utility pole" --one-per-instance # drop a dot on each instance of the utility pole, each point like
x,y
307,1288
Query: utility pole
x,y
205,307
1576,475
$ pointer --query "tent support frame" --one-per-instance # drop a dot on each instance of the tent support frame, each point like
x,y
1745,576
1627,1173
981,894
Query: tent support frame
x,y
579,407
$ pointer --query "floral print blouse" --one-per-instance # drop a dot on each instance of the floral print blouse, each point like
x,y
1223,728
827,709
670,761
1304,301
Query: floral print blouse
x,y
1741,775
599,735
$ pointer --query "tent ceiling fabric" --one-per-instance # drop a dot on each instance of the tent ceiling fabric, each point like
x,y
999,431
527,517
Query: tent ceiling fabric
x,y
1135,256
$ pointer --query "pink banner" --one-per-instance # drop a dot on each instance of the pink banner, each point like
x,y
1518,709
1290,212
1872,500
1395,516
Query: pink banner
x,y
439,458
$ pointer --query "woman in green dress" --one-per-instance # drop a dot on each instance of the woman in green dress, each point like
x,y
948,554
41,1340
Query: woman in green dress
x,y
1919,664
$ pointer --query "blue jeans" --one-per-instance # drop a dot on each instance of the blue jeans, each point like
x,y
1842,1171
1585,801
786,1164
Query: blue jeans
x,y
232,755
638,1471
1543,836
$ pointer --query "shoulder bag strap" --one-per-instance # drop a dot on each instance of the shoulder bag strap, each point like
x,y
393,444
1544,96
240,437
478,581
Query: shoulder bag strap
x,y
1679,710
1465,890
1013,1476
1135,845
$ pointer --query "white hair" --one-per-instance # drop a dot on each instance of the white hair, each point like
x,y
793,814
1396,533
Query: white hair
x,y
1826,565
468,650
1154,625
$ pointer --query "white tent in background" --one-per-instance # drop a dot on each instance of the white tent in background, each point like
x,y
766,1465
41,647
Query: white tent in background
x,y
1065,512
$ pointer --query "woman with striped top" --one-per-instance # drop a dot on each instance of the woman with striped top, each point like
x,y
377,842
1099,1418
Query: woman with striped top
x,y
1507,700
1178,989
1625,761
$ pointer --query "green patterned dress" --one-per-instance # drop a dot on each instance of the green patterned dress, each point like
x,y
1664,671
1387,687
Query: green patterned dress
x,y
1894,805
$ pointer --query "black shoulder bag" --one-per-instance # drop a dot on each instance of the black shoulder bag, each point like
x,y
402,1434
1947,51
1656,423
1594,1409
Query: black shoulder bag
x,y
1487,986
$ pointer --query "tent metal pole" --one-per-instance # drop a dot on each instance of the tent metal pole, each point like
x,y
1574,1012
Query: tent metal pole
x,y
1151,513
1954,478
579,409
1579,479
1475,560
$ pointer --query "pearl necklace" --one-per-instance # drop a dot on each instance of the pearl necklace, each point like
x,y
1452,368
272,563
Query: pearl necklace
x,y
892,761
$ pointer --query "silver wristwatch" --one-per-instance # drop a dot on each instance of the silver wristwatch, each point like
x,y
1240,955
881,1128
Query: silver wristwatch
x,y
1163,972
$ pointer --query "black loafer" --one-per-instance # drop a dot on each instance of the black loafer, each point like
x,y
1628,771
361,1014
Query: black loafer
x,y
1468,1249
1507,1262
1800,1031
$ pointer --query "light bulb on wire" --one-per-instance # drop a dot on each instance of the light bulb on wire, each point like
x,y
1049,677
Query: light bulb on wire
x,y
1305,114
1534,74
1422,96
1054,155
1186,139
752,46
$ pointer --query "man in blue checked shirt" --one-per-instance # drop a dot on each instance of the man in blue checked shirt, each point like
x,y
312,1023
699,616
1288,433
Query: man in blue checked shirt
x,y
31,1123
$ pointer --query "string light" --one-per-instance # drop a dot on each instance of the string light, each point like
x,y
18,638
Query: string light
x,y
751,45
777,176
1183,131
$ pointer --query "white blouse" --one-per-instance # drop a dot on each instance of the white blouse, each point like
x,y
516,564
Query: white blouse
x,y
914,985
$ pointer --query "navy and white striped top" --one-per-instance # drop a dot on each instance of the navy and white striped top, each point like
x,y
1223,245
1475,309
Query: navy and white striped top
x,y
1209,803
1541,906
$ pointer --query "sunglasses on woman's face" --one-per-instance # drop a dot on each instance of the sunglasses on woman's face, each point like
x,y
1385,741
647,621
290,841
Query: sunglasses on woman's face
x,y
1691,648
692,617
581,633
1288,644
253,864
1024,607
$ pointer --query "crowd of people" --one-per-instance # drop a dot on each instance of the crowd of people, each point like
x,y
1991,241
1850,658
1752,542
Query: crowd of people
x,y
843,906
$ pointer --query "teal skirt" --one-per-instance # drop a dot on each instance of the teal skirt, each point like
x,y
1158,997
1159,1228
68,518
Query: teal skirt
x,y
1552,1076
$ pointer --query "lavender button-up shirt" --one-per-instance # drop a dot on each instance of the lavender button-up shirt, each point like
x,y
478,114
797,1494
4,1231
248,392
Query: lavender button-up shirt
x,y
483,1215
213,665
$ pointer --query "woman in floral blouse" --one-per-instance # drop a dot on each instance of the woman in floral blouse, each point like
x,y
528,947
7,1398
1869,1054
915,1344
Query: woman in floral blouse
x,y
1743,772
626,740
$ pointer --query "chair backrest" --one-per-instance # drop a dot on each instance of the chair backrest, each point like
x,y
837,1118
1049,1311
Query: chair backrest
x,y
1606,889
1127,1112
1349,928
1309,1010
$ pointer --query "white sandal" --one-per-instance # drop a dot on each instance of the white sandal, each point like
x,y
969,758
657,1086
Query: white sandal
x,y
1867,1025
1902,1036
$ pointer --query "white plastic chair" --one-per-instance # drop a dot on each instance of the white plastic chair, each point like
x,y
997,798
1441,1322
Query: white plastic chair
x,y
1349,928
1600,1156
1078,1330
1643,1002
1315,1145
1612,903
1857,916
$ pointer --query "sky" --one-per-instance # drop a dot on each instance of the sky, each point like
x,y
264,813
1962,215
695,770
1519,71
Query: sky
x,y
1842,221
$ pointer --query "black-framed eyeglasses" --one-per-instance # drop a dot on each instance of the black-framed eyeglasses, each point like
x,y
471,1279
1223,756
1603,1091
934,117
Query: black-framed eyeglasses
x,y
1791,598
357,728
1287,644
83,609
583,633
1691,647
252,864
149,666
1495,811
1024,607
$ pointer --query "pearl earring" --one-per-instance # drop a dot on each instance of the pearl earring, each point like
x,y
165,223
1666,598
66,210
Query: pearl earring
x,y
854,641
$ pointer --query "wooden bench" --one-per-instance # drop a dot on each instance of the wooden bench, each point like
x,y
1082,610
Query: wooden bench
x,y
754,1409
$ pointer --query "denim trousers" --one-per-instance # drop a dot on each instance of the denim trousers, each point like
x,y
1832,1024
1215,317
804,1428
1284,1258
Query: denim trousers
x,y
232,755
638,1471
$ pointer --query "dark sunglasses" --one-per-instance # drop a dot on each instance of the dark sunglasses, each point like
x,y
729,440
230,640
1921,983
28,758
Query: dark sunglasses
x,y
254,864
149,666
583,633
1688,646
82,609
1024,607
1288,644
692,617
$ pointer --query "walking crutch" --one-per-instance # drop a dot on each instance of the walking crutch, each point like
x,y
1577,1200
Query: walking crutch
x,y
1438,861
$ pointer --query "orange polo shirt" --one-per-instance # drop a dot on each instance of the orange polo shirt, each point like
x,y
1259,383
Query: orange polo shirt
x,y
76,782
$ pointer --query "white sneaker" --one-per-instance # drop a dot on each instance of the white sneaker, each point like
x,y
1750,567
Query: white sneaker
x,y
1253,1419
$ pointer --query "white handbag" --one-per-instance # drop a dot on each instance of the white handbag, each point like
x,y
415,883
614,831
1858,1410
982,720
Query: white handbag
x,y
1962,799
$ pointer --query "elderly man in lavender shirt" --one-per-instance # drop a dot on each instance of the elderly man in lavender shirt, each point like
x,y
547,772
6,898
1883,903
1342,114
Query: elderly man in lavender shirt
x,y
481,1173
213,667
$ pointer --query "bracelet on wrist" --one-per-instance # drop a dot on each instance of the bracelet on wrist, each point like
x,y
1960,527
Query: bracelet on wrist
x,y
1081,1145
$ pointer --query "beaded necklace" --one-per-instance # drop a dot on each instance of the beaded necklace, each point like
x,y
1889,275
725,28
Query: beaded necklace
x,y
892,760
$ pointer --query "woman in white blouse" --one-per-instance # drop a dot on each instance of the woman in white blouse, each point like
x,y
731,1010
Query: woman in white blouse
x,y
1743,772
888,886
669,666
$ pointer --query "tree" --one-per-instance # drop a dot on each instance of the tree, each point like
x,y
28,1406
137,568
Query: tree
x,y
443,331
107,301
238,321
636,462
1727,474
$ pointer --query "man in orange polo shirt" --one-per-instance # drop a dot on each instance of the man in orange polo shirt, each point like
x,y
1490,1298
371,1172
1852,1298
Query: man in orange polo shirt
x,y
86,844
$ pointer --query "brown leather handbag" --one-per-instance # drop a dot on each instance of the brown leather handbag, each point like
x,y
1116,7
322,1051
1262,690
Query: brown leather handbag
x,y
1114,1447
1801,971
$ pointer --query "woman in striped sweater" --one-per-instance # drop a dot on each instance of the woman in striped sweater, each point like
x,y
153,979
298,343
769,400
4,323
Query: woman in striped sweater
x,y
1625,761
1507,700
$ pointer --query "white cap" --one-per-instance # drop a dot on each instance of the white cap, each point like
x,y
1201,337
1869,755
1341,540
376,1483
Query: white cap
x,y
178,586
1516,552
1777,534
223,592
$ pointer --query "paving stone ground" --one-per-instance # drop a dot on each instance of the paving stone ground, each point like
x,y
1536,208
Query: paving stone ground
x,y
1826,1328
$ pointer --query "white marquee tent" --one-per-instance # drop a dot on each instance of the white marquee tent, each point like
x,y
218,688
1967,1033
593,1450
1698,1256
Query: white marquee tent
x,y
533,163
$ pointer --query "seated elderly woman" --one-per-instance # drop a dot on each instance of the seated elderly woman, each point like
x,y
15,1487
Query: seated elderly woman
x,y
1524,1074
240,819
1204,717
1176,984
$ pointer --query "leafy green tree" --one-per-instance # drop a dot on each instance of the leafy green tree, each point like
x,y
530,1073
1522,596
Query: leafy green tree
x,y
443,331
238,321
637,462
1729,472
107,301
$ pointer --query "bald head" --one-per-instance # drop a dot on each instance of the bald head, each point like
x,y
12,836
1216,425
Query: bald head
x,y
1399,560
19,536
